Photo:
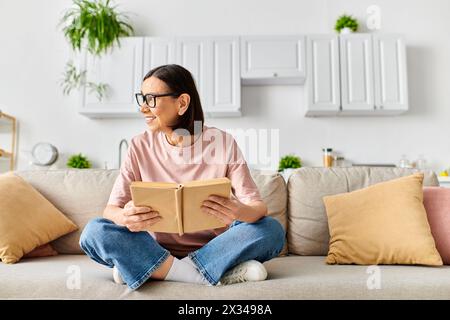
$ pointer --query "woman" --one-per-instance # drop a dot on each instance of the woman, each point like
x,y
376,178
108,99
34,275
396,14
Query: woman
x,y
178,147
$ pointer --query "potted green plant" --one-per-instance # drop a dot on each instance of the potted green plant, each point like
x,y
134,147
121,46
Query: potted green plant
x,y
95,26
78,161
288,164
346,24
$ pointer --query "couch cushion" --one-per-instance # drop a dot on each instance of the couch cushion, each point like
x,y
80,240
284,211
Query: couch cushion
x,y
272,188
385,223
81,194
292,277
46,250
308,232
437,204
27,219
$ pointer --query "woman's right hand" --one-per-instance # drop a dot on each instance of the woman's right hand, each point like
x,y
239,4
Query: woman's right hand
x,y
137,218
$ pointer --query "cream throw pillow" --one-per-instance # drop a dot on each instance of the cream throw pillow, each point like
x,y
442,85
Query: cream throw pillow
x,y
385,223
27,219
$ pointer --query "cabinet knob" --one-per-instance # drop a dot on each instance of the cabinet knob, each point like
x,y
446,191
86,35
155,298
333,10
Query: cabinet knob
x,y
275,74
381,107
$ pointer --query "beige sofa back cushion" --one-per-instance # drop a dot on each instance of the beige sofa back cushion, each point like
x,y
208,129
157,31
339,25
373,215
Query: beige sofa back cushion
x,y
273,190
308,232
81,194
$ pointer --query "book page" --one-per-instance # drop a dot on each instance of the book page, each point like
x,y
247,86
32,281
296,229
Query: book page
x,y
151,184
179,208
206,182
194,193
161,199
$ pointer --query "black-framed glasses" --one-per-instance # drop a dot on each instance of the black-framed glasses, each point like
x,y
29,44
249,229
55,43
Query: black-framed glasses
x,y
150,99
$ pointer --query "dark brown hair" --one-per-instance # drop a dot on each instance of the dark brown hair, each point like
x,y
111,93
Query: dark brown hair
x,y
180,80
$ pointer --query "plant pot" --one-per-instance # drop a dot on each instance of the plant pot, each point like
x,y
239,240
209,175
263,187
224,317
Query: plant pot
x,y
346,30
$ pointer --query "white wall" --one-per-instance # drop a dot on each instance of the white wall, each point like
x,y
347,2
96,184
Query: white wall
x,y
33,53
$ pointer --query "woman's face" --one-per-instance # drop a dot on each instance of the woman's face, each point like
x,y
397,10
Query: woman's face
x,y
167,109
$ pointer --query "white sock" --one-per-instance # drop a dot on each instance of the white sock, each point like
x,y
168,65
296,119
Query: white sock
x,y
184,271
188,260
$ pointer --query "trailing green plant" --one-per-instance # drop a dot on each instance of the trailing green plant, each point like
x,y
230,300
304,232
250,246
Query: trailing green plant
x,y
99,89
346,21
289,161
76,79
72,78
78,161
94,26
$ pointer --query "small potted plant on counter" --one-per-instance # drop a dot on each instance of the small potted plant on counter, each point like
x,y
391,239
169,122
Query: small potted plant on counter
x,y
288,164
346,24
78,161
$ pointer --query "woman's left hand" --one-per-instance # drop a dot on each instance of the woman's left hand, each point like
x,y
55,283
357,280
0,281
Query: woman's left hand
x,y
223,208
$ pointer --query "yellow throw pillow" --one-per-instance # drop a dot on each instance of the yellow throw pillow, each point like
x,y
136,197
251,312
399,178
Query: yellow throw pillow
x,y
385,223
27,219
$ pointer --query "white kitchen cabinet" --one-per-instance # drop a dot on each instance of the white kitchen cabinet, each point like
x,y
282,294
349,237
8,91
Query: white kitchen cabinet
x,y
158,51
357,79
214,64
273,60
121,70
354,74
391,81
192,53
372,73
322,84
224,98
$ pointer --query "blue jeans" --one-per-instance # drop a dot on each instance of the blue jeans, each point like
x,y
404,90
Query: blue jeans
x,y
137,254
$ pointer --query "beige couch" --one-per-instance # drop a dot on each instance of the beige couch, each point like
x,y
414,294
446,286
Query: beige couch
x,y
303,274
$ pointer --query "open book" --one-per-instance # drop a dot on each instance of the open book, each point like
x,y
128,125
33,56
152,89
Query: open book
x,y
179,203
